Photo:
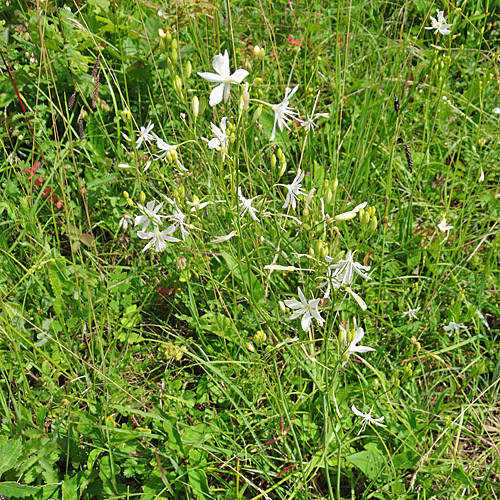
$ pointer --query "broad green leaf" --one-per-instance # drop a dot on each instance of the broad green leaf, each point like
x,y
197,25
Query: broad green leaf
x,y
10,489
9,453
370,462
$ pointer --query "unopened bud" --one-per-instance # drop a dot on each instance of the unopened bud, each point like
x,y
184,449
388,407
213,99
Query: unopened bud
x,y
173,55
161,33
168,157
170,64
188,69
257,114
329,196
282,306
142,197
257,81
178,85
174,44
168,36
262,54
311,250
373,223
345,216
126,114
256,51
282,169
335,185
173,153
273,160
250,347
126,195
260,337
130,202
195,107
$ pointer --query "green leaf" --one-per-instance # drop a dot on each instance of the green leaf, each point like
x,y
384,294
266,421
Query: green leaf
x,y
370,462
15,490
9,453
199,484
99,4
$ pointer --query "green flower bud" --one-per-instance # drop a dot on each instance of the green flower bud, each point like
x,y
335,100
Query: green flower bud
x,y
373,223
142,197
173,55
282,169
126,114
178,87
257,114
168,157
329,196
282,306
250,347
262,54
257,81
260,338
335,185
126,195
174,44
170,65
195,107
188,69
273,160
161,33
311,250
130,202
168,36
256,51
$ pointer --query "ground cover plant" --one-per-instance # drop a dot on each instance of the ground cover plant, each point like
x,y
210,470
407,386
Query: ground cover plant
x,y
249,250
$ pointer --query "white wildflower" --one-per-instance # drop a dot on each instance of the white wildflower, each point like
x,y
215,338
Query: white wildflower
x,y
221,239
309,123
223,77
411,313
443,227
294,190
125,221
145,135
306,309
439,24
283,113
453,327
343,270
149,213
246,206
367,419
221,141
353,347
158,238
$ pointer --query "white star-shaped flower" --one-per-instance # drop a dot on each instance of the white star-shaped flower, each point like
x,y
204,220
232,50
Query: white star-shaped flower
x,y
283,113
145,135
149,213
443,227
166,148
224,77
178,218
411,313
246,206
221,141
306,309
343,270
453,327
309,123
367,419
158,238
353,346
439,24
294,190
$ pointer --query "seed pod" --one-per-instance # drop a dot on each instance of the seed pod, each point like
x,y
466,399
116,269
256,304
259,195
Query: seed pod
x,y
409,159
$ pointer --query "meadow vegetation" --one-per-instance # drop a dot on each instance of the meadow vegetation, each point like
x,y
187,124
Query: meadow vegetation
x,y
249,249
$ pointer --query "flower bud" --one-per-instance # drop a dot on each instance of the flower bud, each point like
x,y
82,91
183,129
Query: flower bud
x,y
170,65
257,81
262,54
273,160
256,51
282,306
168,157
161,33
281,156
311,250
329,196
174,44
345,216
126,114
318,246
188,69
168,36
260,338
126,195
373,223
142,197
323,252
282,169
130,202
195,107
173,55
178,85
173,153
257,114
335,185
245,98
250,347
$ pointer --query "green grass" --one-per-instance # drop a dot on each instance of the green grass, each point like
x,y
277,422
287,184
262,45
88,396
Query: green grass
x,y
179,374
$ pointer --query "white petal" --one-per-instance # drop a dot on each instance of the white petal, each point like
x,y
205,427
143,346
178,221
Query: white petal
x,y
211,77
239,75
216,95
306,321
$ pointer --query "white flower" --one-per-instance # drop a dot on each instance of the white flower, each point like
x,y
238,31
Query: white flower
x,y
223,77
306,309
411,313
221,141
367,419
443,227
357,298
165,149
145,135
149,214
246,206
352,346
178,219
350,214
158,238
439,24
453,327
294,190
283,113
124,222
343,271
481,176
221,239
309,123
496,111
